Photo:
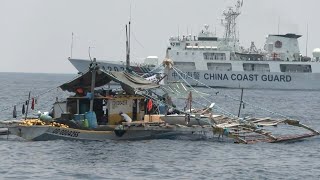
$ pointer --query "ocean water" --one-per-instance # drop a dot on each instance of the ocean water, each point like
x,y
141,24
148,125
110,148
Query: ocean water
x,y
160,159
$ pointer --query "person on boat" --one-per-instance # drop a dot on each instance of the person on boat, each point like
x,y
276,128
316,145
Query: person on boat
x,y
163,108
80,92
173,110
125,118
104,119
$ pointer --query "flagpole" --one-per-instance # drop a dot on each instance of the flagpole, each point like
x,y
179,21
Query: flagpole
x,y
25,118
190,100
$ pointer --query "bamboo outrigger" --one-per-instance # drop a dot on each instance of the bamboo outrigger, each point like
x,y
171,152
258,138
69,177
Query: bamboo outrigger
x,y
247,132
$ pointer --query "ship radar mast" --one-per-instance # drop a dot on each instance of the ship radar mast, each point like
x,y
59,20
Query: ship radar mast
x,y
229,22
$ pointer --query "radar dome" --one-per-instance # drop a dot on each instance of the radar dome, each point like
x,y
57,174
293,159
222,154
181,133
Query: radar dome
x,y
316,52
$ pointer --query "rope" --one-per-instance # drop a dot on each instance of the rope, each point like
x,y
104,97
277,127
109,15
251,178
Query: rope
x,y
154,69
219,109
226,95
37,96
222,111
225,111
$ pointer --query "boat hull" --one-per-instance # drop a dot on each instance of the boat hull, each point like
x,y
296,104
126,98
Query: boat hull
x,y
45,133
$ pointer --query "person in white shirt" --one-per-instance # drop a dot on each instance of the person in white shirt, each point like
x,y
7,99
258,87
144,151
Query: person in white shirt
x,y
125,117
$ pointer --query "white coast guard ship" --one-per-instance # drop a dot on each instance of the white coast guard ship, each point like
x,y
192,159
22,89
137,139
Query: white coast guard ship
x,y
221,62
205,59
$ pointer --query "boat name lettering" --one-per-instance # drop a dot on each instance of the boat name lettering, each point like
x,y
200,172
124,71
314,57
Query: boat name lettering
x,y
119,103
215,76
244,77
279,78
65,132
247,77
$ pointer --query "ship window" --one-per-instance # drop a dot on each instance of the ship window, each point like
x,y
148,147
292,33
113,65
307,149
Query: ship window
x,y
185,65
207,38
219,66
296,68
256,67
214,56
177,44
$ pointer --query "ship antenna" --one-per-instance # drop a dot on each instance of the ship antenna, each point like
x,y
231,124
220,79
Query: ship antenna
x,y
307,40
187,31
229,22
278,25
130,13
89,52
178,32
215,30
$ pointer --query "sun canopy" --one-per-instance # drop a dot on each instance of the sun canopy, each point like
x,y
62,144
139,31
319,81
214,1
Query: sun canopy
x,y
129,82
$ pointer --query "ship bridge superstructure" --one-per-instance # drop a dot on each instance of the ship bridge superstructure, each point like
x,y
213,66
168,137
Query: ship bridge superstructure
x,y
189,51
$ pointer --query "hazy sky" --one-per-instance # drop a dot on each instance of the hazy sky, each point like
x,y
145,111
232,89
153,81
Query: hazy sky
x,y
35,35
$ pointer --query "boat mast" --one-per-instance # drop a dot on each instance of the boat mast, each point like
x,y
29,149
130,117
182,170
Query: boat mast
x,y
93,82
71,44
128,47
241,102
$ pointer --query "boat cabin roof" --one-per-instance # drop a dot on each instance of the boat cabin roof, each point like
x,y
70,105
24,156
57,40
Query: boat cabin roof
x,y
130,83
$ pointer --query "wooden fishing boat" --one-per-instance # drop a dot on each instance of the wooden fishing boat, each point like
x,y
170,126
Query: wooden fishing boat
x,y
224,129
92,114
